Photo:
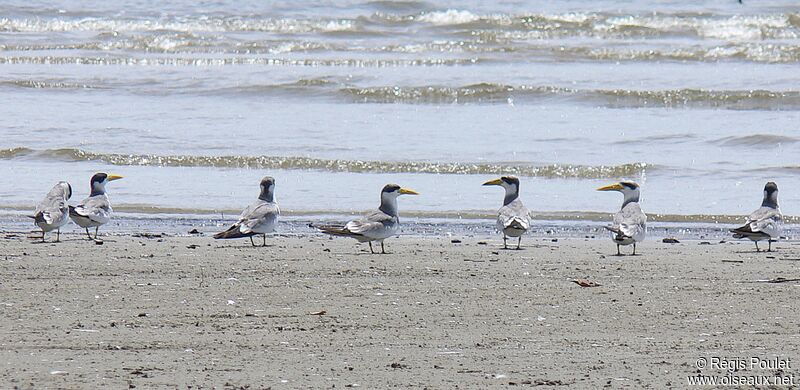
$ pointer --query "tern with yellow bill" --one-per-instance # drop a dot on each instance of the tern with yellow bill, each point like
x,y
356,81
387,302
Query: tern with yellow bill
x,y
53,211
513,219
259,218
94,211
377,225
764,223
630,223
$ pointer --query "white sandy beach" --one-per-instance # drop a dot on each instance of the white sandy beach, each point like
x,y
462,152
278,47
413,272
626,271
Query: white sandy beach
x,y
310,312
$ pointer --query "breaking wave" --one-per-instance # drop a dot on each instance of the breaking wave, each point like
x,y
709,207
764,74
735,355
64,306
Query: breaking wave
x,y
757,140
340,90
488,93
571,24
572,35
333,165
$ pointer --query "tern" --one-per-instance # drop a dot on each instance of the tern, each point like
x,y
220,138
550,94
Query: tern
x,y
94,211
513,219
630,223
258,218
53,211
377,225
765,222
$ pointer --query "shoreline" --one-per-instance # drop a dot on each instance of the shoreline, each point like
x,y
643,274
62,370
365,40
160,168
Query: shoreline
x,y
309,311
450,216
181,225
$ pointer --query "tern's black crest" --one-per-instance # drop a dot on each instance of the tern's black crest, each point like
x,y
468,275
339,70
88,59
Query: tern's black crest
x,y
770,195
629,184
69,191
771,187
267,181
390,188
98,178
97,184
510,180
267,188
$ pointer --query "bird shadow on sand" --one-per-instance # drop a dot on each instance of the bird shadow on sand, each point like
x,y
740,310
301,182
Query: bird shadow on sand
x,y
358,253
38,240
248,246
366,253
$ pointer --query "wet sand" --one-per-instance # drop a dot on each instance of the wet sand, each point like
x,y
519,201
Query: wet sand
x,y
310,312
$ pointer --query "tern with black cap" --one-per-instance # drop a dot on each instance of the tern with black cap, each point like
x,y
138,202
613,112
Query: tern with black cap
x,y
53,211
258,218
764,223
513,219
630,222
94,211
377,225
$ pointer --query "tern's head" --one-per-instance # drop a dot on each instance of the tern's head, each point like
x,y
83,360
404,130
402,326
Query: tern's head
x,y
770,188
770,195
62,189
99,181
624,187
629,190
267,189
389,195
509,183
394,190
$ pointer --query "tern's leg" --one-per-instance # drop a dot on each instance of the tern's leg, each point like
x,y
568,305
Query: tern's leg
x,y
370,247
58,235
87,233
96,229
383,251
42,235
519,241
251,241
618,252
505,245
757,250
769,242
264,236
634,249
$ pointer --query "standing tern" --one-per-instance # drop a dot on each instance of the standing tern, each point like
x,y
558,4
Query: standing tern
x,y
53,211
95,210
258,218
765,222
630,223
513,219
377,225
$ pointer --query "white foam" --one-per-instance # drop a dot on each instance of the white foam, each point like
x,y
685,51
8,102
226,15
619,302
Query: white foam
x,y
449,17
182,25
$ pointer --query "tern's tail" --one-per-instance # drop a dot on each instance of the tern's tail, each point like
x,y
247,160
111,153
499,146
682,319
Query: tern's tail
x,y
618,232
743,230
746,231
334,230
517,223
232,232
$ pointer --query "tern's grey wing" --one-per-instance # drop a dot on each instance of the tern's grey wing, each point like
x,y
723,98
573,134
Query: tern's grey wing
x,y
766,220
630,221
514,213
374,221
52,208
96,208
258,214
